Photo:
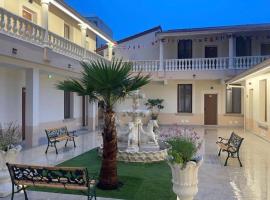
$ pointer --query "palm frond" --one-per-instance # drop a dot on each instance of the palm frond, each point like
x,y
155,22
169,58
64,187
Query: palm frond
x,y
107,81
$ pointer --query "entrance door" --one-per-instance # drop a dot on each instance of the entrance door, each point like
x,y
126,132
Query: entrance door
x,y
211,52
23,112
184,49
84,111
210,109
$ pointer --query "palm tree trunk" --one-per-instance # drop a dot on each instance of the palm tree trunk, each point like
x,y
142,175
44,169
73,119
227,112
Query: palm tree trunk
x,y
108,173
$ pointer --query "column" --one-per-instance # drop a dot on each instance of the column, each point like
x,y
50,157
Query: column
x,y
83,36
161,58
92,116
231,51
32,107
2,3
45,18
110,51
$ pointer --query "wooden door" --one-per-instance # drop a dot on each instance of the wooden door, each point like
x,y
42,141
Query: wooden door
x,y
210,109
23,112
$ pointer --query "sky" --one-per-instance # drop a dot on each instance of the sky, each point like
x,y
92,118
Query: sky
x,y
128,17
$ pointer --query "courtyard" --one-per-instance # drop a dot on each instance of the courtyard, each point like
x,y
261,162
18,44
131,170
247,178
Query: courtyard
x,y
215,181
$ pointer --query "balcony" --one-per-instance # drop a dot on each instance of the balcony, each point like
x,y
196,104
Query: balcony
x,y
22,29
198,64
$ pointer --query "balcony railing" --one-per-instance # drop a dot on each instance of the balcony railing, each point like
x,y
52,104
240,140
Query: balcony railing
x,y
25,30
221,63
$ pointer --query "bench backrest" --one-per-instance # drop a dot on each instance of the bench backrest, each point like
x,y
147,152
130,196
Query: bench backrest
x,y
56,132
235,140
64,176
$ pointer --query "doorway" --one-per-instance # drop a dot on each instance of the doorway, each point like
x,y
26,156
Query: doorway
x,y
23,112
211,52
184,49
210,109
84,111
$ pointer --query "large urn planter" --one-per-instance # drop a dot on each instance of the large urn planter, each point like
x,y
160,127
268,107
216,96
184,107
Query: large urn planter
x,y
9,156
185,179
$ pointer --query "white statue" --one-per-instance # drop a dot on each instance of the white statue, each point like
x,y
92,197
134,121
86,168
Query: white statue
x,y
149,132
131,134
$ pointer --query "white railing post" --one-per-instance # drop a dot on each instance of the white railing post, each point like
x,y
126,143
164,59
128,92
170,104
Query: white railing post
x,y
45,19
231,50
161,56
83,38
110,51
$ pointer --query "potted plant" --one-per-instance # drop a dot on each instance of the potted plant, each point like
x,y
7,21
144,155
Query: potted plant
x,y
183,160
154,106
10,137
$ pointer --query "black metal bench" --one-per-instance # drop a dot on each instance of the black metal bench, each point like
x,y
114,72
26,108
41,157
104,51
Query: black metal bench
x,y
69,178
231,146
56,135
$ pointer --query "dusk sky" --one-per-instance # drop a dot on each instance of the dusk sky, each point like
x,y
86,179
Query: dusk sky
x,y
127,17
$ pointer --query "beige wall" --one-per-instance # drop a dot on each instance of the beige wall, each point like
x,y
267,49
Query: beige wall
x,y
255,121
11,83
51,101
169,114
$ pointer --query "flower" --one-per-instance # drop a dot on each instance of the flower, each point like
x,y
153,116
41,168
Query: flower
x,y
184,143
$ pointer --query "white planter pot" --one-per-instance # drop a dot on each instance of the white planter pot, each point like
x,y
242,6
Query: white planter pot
x,y
185,181
9,156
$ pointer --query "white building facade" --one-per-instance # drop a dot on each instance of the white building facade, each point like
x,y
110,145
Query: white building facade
x,y
189,68
41,43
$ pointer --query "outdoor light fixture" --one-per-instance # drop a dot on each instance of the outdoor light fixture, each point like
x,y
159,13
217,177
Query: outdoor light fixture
x,y
14,51
50,76
194,76
69,66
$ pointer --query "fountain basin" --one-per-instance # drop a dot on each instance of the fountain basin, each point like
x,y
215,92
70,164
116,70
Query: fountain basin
x,y
141,156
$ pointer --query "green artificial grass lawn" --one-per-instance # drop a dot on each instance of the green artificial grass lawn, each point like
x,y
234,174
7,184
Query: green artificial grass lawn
x,y
141,181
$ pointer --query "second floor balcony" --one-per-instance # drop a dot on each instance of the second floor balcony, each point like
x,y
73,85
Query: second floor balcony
x,y
228,50
27,31
219,63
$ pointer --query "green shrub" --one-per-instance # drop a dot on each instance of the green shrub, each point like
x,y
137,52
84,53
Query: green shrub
x,y
182,150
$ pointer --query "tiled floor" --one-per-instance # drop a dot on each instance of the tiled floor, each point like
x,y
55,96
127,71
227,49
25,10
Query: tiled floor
x,y
216,182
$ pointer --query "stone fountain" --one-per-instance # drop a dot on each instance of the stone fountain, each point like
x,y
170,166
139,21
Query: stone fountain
x,y
136,144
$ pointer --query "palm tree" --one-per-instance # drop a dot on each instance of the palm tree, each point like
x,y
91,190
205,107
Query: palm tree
x,y
109,82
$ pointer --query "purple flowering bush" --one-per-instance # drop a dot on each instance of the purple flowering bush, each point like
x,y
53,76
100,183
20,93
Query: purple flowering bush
x,y
184,143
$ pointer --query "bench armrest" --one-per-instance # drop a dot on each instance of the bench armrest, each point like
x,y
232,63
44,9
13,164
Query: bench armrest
x,y
72,133
93,179
222,140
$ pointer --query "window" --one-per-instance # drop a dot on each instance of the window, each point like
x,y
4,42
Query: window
x,y
265,49
184,49
233,100
263,100
184,98
243,46
66,31
29,15
211,52
67,105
